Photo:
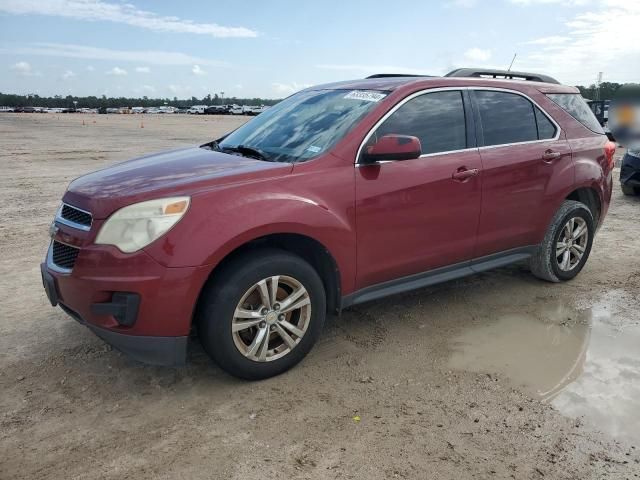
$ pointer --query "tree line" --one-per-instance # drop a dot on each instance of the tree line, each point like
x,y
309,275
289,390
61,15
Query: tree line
x,y
70,101
607,92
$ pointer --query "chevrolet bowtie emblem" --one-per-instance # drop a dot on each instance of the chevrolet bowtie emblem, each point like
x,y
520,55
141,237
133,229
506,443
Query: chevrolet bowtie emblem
x,y
53,229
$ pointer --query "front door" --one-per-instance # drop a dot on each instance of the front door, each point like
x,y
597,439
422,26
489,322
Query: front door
x,y
418,215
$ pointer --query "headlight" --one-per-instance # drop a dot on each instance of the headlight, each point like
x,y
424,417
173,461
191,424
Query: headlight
x,y
136,226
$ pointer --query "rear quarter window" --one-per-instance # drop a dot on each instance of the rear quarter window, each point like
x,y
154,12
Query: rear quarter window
x,y
574,105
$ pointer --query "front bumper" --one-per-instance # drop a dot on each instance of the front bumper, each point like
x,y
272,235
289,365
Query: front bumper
x,y
130,301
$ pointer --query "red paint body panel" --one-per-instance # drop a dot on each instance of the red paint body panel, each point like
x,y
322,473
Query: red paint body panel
x,y
520,193
168,295
378,222
413,216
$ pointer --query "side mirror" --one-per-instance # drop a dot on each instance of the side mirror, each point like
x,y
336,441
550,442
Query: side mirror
x,y
392,147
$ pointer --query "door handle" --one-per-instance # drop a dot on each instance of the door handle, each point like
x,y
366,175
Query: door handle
x,y
549,156
464,173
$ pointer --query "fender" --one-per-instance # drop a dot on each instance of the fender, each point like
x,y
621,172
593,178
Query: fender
x,y
239,214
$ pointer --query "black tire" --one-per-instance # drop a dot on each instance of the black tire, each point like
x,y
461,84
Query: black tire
x,y
544,263
223,293
628,190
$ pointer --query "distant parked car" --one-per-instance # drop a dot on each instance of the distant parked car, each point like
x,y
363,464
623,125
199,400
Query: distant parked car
x,y
217,110
630,172
197,110
600,109
236,110
254,110
6,109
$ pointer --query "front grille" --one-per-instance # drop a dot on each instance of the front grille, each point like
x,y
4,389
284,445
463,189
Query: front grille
x,y
75,215
64,256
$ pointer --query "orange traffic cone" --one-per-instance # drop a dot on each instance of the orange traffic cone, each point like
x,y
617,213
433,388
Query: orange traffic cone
x,y
82,121
141,124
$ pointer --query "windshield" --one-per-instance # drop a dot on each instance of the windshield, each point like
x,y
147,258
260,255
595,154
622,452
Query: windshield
x,y
302,126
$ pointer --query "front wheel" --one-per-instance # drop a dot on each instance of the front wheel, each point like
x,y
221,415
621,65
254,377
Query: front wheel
x,y
626,190
566,245
261,314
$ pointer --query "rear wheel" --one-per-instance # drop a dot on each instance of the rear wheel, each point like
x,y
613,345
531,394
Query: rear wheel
x,y
262,314
566,245
628,190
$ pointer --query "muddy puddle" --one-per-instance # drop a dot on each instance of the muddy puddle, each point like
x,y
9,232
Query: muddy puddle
x,y
584,361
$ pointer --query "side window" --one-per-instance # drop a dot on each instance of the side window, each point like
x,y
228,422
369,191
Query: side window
x,y
506,118
437,119
546,129
574,105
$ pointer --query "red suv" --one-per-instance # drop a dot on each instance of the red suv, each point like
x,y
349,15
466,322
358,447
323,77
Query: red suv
x,y
338,195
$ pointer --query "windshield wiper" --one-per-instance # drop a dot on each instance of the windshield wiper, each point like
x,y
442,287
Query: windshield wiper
x,y
213,145
251,152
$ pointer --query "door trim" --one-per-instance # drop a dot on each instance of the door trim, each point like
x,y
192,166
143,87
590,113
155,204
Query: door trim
x,y
437,275
475,119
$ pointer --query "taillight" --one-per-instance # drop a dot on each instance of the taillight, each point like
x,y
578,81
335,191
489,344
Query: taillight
x,y
609,150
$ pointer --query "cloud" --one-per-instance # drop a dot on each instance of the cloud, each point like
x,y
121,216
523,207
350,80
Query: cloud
x,y
602,39
90,68
117,71
462,3
146,89
551,40
143,69
370,69
181,90
289,88
477,55
154,57
124,13
197,70
566,3
67,75
23,68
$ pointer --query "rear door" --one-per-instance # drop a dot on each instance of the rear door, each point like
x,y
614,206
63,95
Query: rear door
x,y
524,154
417,215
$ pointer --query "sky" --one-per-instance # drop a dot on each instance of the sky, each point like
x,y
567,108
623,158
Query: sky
x,y
270,49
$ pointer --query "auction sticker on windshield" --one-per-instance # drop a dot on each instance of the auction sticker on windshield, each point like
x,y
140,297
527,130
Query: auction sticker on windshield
x,y
365,95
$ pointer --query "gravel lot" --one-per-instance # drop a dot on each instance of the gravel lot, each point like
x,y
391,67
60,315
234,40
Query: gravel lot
x,y
494,376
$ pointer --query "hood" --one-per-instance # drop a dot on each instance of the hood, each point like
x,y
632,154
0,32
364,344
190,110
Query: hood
x,y
177,172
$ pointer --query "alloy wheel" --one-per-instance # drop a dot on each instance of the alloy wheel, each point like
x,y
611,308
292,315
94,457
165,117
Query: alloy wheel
x,y
572,243
271,318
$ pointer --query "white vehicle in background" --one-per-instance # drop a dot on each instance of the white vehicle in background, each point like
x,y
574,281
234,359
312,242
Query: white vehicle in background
x,y
137,110
253,110
236,109
197,110
168,109
6,109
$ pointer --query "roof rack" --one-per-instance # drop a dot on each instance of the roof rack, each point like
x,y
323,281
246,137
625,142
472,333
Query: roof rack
x,y
505,74
391,75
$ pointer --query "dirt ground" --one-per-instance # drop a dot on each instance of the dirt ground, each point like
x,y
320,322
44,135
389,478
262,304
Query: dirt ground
x,y
494,376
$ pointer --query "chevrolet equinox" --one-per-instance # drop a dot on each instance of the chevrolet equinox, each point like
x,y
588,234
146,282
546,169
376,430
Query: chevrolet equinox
x,y
337,195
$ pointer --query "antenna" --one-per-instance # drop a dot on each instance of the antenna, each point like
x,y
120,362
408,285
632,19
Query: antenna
x,y
512,60
598,82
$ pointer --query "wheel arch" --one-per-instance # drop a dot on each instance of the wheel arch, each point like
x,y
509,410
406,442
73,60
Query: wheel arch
x,y
304,246
591,198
